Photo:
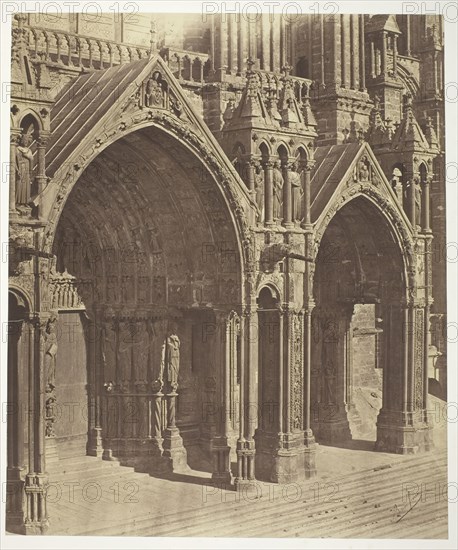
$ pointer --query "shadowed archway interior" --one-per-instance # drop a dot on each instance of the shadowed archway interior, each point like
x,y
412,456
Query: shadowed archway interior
x,y
358,289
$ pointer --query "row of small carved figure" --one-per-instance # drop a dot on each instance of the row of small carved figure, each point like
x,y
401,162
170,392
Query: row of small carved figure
x,y
65,294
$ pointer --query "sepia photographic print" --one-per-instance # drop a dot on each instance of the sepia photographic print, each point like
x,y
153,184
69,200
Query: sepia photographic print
x,y
226,266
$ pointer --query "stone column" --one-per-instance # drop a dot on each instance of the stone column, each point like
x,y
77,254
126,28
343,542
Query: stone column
x,y
265,42
221,47
156,418
36,516
412,206
14,138
250,177
306,177
373,62
335,322
426,205
275,43
248,399
41,162
219,445
156,464
343,49
408,52
401,425
384,56
95,442
268,190
395,55
233,45
174,449
427,315
362,55
17,340
309,438
287,201
271,380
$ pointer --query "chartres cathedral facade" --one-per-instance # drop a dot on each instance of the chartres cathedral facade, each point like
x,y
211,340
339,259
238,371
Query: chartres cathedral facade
x,y
223,232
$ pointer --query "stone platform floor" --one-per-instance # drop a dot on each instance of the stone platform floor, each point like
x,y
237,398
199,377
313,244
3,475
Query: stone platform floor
x,y
358,493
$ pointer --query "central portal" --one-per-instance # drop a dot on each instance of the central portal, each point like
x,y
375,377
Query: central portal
x,y
148,249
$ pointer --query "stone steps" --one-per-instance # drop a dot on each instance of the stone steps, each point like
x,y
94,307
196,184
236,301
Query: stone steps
x,y
289,516
366,504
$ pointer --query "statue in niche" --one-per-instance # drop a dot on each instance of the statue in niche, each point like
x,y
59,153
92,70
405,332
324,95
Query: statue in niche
x,y
50,352
127,331
154,92
259,189
127,288
417,192
112,289
297,192
50,416
109,330
396,183
141,346
143,288
277,191
363,170
171,358
24,167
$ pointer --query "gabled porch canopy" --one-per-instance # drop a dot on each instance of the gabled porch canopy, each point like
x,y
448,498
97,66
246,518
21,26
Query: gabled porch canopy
x,y
99,108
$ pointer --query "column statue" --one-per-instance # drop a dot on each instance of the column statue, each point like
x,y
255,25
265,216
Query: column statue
x,y
171,359
50,352
329,382
174,451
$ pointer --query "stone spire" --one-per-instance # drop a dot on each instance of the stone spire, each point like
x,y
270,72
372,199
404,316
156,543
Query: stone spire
x,y
288,107
409,136
377,132
307,113
153,39
431,135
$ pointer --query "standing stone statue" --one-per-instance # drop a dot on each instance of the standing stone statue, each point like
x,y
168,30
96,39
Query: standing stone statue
x,y
50,352
329,382
259,189
24,167
278,191
297,192
417,191
171,359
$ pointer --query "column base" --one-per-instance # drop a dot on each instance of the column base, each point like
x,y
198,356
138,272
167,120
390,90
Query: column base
x,y
400,437
221,464
283,458
14,517
107,454
336,430
94,445
245,463
35,494
174,451
14,523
